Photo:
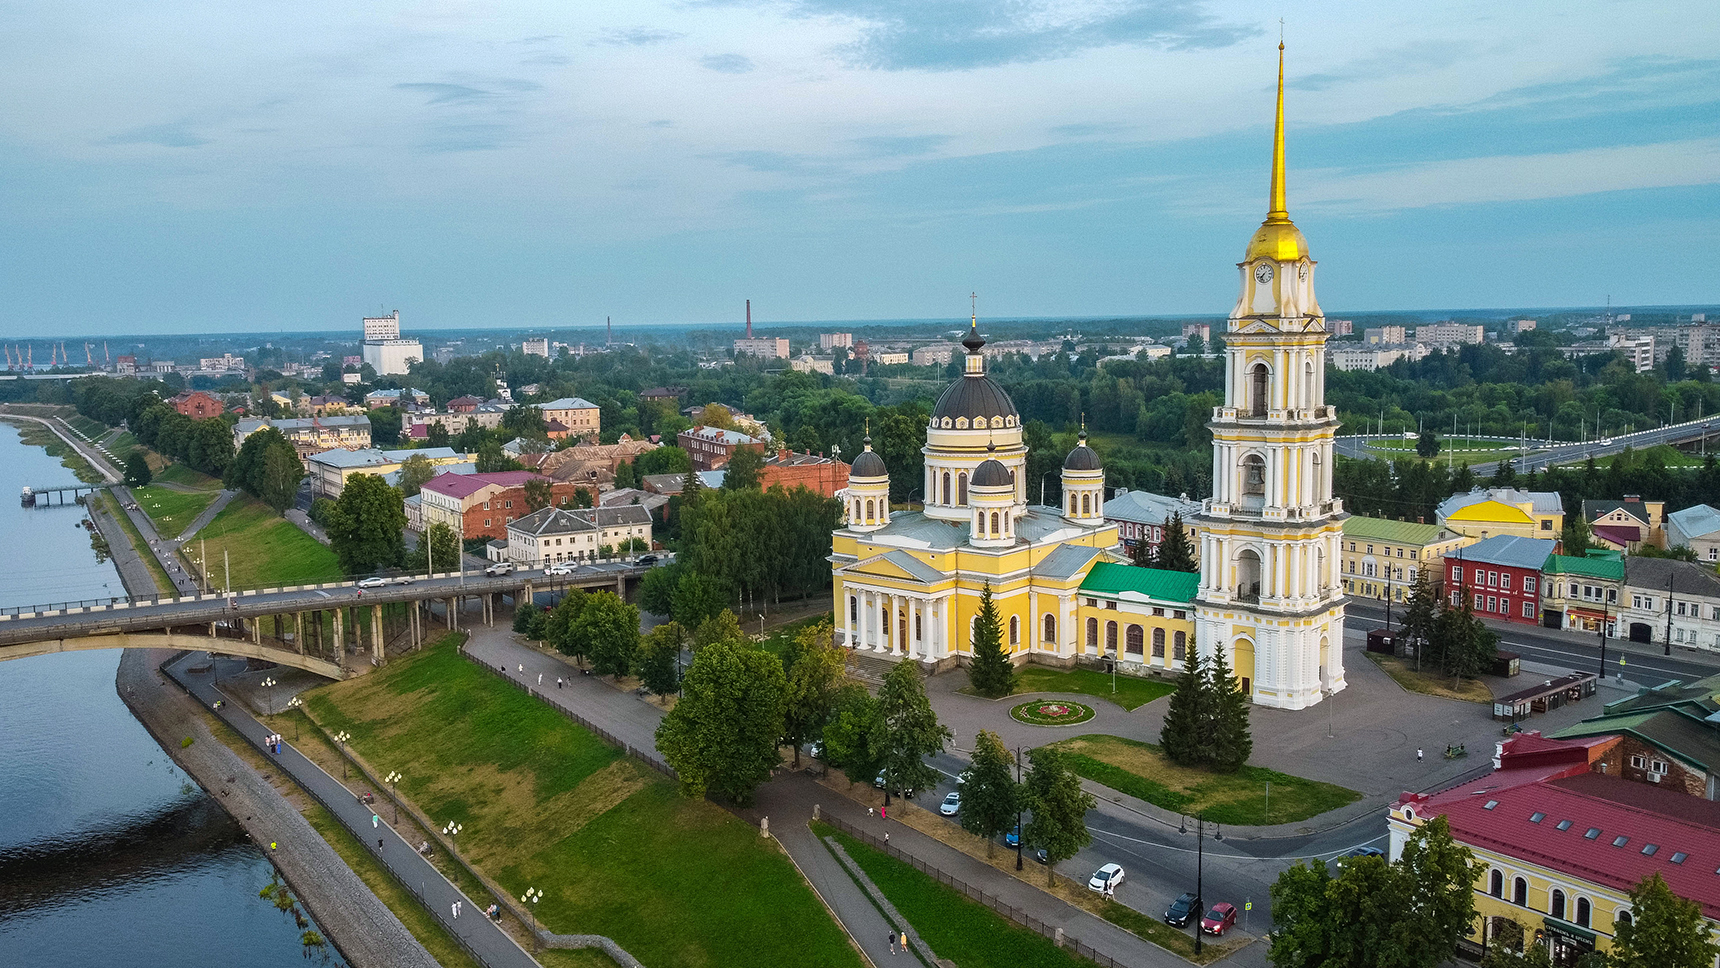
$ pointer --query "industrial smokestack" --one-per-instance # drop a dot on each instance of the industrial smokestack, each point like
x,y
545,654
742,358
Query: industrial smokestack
x,y
749,319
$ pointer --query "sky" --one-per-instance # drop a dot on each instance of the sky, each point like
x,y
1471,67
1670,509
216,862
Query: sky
x,y
203,166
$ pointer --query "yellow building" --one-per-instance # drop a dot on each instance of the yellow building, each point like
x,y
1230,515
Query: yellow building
x,y
1561,846
1503,510
1382,556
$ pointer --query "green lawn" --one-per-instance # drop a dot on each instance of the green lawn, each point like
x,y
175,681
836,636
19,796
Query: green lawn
x,y
163,584
172,511
777,640
613,846
123,445
93,429
1132,692
36,435
180,474
1141,770
264,550
957,928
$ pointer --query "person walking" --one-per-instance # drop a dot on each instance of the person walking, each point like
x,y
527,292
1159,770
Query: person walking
x,y
379,843
558,682
540,678
455,907
904,941
870,812
1418,754
892,942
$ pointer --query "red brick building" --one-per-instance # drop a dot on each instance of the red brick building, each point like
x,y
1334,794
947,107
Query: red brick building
x,y
484,504
815,472
197,404
1502,574
711,448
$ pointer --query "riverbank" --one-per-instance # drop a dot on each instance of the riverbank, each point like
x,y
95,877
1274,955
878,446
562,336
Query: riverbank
x,y
351,916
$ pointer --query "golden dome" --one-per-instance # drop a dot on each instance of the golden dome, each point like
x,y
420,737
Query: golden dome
x,y
1280,240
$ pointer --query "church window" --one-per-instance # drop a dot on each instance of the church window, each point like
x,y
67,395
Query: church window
x,y
1308,384
1158,643
961,423
997,422
1132,640
961,488
869,510
1110,636
1179,646
1253,474
1071,504
1257,381
947,487
1014,630
1086,505
1092,630
1050,627
853,609
994,528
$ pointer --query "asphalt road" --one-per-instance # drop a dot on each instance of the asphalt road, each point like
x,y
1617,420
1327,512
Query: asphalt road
x,y
1563,452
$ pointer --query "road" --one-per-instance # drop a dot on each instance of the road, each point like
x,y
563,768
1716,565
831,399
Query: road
x,y
1544,454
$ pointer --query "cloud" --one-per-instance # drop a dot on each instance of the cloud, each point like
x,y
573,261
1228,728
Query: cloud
x,y
660,123
174,134
900,146
955,35
476,136
1410,58
446,93
727,63
638,36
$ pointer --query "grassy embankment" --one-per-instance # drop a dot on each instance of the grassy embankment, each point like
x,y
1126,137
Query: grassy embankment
x,y
92,429
172,511
263,549
37,435
613,846
1468,690
1132,692
1141,770
163,584
186,477
956,927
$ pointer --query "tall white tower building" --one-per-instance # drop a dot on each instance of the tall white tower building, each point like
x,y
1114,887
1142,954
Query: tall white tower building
x,y
1269,594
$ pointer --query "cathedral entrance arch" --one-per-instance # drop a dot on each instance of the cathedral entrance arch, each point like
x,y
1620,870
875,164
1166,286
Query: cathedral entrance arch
x,y
1248,575
1242,663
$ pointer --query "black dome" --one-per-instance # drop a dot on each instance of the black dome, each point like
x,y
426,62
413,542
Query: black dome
x,y
868,464
991,473
975,396
1082,458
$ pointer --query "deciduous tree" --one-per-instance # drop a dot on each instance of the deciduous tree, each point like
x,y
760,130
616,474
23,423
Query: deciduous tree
x,y
721,737
1665,931
991,799
368,530
659,662
721,627
137,472
698,597
1059,822
854,736
990,672
911,730
539,493
817,671
610,628
744,471
414,474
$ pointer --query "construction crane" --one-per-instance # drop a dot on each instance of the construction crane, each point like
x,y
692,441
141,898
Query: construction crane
x,y
89,358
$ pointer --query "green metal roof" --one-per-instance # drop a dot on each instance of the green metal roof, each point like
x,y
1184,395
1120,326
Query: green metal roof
x,y
1605,569
1381,529
1109,578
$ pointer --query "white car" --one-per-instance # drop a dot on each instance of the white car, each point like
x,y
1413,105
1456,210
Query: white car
x,y
1106,878
951,805
558,570
499,568
373,583
401,580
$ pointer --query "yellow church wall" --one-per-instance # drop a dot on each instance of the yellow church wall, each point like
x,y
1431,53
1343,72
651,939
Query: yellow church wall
x,y
1132,614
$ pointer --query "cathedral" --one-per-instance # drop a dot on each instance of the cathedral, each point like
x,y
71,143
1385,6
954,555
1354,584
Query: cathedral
x,y
908,583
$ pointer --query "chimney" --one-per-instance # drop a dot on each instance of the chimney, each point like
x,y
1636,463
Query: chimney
x,y
749,319
782,455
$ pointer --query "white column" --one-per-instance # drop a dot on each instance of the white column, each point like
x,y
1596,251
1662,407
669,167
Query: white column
x,y
847,618
897,646
865,618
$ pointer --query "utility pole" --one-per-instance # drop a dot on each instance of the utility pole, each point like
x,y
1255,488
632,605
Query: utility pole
x,y
1606,618
1019,837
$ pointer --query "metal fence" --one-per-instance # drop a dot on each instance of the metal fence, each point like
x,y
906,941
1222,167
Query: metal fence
x,y
1019,915
647,756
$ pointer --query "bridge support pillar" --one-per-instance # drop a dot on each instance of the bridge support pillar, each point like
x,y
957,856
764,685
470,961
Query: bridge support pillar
x,y
621,587
529,599
453,622
339,639
377,639
299,631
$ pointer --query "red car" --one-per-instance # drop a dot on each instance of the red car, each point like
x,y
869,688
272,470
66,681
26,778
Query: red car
x,y
1219,919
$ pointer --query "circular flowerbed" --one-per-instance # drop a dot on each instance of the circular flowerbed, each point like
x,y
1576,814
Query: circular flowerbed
x,y
1052,713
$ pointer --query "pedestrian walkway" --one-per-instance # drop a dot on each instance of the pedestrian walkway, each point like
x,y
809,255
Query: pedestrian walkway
x,y
482,937
207,516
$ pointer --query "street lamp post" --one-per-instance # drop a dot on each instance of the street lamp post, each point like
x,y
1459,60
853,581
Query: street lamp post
x,y
1200,868
393,780
530,899
268,700
340,739
1019,839
293,704
1606,616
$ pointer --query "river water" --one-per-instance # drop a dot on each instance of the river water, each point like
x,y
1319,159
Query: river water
x,y
109,854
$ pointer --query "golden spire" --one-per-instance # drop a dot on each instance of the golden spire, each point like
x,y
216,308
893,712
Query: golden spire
x,y
1279,212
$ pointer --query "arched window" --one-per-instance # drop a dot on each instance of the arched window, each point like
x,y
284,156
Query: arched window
x,y
1014,630
1254,474
1071,504
1308,384
1179,646
1623,917
1556,907
1319,488
1092,633
1520,892
1050,627
995,531
1582,912
853,609
1496,884
1257,381
946,487
1110,636
868,510
918,632
1158,643
1132,639
1086,504
961,488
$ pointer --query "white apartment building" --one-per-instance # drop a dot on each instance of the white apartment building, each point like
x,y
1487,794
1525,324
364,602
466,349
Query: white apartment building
x,y
1520,325
829,341
1370,358
1449,333
886,358
1376,335
382,327
1663,596
536,347
938,354
555,535
225,361
393,357
1638,348
762,346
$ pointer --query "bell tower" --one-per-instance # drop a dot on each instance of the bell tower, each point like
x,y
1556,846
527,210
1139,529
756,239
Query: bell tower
x,y
1270,535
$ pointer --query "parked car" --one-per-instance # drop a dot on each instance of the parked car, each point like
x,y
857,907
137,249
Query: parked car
x,y
1360,852
952,804
563,569
879,783
816,750
400,580
499,568
1013,838
373,583
647,559
1220,919
1042,856
1184,909
1106,879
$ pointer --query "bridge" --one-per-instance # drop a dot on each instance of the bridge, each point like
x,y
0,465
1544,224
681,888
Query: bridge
x,y
32,497
318,628
1543,454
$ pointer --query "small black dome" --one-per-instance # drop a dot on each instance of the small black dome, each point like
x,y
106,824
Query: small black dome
x,y
973,340
868,464
991,473
1082,458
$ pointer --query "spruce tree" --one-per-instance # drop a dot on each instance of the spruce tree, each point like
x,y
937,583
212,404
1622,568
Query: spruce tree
x,y
1175,552
990,672
1231,741
1183,736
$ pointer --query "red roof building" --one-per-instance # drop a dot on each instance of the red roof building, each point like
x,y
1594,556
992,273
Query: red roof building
x,y
482,505
1502,575
815,472
197,404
